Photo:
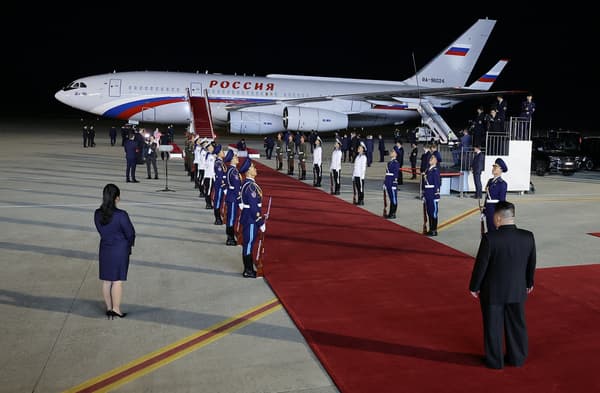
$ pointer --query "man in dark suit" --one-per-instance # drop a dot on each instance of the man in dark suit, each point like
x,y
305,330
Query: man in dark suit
x,y
477,167
502,278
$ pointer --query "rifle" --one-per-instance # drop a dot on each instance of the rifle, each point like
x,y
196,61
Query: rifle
x,y
222,209
261,244
353,191
482,228
384,202
424,218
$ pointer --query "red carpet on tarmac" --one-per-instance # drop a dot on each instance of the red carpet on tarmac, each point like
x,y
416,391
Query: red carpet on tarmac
x,y
387,309
595,234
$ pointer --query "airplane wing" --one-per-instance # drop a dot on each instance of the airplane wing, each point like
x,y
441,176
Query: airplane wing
x,y
392,96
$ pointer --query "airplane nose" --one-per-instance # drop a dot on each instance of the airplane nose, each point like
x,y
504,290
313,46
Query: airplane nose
x,y
60,96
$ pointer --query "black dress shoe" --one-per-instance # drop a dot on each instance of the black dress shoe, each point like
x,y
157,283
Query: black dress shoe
x,y
135,181
231,242
249,274
128,181
148,177
432,233
391,216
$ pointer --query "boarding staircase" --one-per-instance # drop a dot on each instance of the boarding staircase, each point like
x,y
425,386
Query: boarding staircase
x,y
433,119
201,119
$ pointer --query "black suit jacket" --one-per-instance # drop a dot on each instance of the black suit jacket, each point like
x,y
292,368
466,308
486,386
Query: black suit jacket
x,y
504,266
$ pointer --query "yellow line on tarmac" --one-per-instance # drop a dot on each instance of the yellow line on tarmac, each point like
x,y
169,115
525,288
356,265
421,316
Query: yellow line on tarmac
x,y
456,219
148,363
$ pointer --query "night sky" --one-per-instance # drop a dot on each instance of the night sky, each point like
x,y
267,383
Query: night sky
x,y
553,52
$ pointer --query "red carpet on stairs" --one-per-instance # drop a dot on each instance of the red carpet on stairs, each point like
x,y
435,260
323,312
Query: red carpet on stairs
x,y
387,309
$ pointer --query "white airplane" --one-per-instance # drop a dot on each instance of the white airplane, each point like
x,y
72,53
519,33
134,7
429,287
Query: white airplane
x,y
263,105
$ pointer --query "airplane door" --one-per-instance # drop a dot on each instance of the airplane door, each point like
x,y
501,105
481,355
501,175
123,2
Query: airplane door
x,y
114,89
196,89
148,114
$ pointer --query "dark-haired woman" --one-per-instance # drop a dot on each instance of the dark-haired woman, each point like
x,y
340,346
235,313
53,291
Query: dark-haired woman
x,y
117,236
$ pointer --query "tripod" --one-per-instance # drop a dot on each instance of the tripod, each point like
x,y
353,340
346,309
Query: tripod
x,y
167,149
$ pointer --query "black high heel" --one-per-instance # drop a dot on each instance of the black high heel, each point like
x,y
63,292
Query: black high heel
x,y
108,314
116,314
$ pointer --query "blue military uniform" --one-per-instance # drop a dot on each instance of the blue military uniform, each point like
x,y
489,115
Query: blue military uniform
x,y
219,187
232,198
251,218
496,191
432,182
391,183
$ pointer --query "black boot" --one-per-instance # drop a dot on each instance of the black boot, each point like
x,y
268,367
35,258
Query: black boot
x,y
248,267
218,220
432,227
392,213
230,237
303,175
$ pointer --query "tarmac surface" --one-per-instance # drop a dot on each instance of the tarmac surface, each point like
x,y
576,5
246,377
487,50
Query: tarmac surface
x,y
183,280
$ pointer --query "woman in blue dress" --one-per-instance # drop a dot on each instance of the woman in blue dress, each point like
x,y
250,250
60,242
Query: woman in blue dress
x,y
117,236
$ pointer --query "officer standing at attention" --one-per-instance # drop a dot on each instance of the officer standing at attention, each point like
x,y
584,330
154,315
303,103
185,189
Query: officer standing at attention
x,y
269,144
290,149
358,175
413,160
302,153
496,191
232,196
209,175
279,147
150,157
431,194
251,217
390,183
112,133
220,184
84,133
131,157
477,167
336,167
317,163
381,147
400,158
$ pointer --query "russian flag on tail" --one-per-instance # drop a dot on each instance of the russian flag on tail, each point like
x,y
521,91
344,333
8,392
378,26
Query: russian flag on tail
x,y
458,50
489,78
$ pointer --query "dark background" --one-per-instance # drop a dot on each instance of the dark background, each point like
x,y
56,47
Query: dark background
x,y
552,52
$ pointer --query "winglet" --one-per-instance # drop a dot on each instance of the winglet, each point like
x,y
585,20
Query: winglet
x,y
486,81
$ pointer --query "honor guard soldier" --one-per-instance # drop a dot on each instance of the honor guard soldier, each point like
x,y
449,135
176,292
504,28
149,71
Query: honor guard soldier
x,y
302,153
432,182
317,163
336,167
390,184
400,159
251,218
220,185
496,191
290,149
232,196
279,148
413,160
199,162
209,175
358,175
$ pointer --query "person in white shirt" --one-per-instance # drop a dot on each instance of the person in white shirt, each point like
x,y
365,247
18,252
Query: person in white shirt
x,y
209,175
199,157
317,163
358,175
335,168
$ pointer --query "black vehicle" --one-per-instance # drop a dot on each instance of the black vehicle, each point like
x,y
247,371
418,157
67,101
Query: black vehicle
x,y
553,155
590,150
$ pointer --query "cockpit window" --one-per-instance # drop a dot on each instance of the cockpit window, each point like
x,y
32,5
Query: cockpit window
x,y
75,85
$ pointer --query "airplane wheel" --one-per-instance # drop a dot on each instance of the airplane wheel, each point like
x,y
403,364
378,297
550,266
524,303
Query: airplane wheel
x,y
589,165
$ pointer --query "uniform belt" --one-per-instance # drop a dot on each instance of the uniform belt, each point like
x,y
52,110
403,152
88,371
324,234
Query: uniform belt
x,y
389,174
231,187
429,186
492,201
244,206
259,205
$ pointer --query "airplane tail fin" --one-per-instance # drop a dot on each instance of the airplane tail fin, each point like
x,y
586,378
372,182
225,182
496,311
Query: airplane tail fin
x,y
452,67
486,81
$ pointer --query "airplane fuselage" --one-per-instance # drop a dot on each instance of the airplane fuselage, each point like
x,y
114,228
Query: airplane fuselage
x,y
161,97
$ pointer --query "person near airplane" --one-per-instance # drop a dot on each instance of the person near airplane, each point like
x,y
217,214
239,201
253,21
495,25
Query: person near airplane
x,y
251,218
359,173
336,167
496,191
131,148
431,185
390,183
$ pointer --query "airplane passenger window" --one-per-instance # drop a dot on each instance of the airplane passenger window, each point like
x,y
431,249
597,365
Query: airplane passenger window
x,y
81,84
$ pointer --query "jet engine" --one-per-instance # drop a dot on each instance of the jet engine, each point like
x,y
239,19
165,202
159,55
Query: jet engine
x,y
242,122
297,118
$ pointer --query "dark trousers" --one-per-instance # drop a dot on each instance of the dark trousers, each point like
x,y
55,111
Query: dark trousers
x,y
359,189
269,152
130,171
477,181
151,162
510,320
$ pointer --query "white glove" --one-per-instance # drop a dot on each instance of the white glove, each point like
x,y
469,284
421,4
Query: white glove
x,y
225,192
263,227
241,206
